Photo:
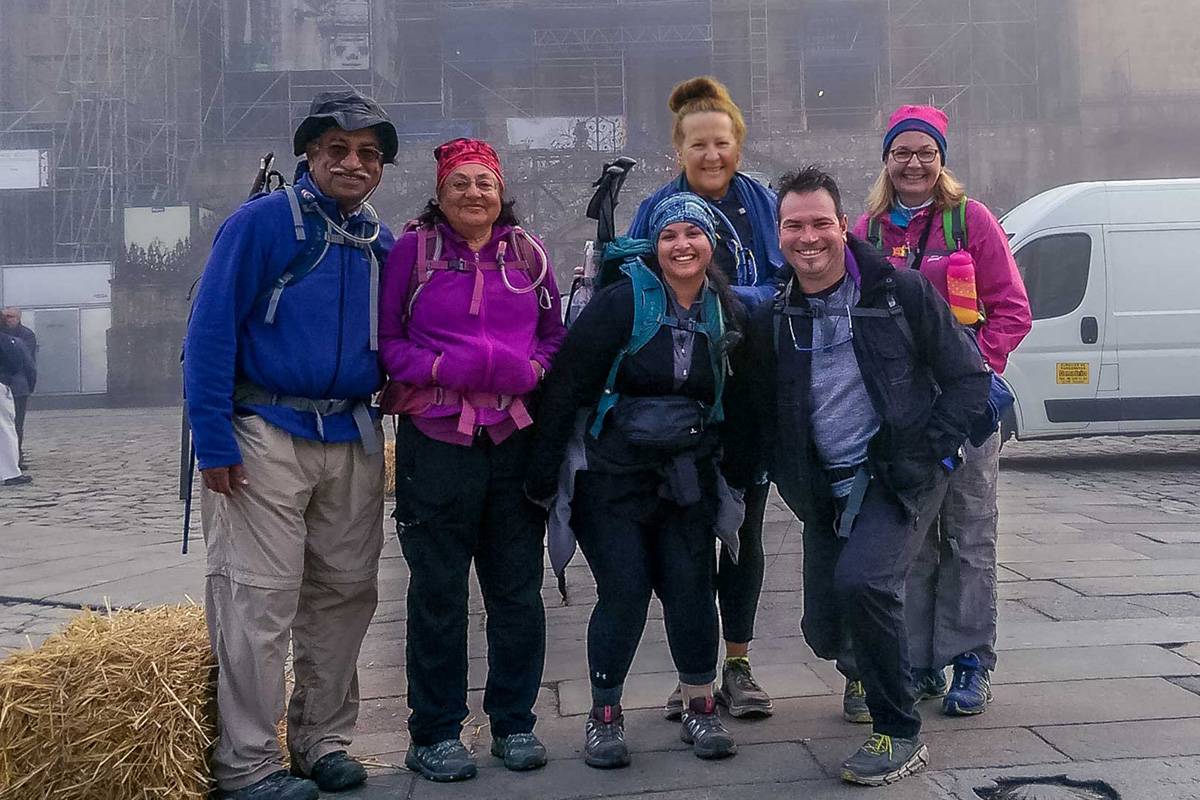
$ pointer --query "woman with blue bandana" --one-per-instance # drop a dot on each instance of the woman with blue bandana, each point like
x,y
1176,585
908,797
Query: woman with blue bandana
x,y
708,134
648,392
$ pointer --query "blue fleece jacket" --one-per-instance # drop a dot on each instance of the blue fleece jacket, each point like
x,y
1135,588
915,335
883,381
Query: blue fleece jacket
x,y
759,202
318,346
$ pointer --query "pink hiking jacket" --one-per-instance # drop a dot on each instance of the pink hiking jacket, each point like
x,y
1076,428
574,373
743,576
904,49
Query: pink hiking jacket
x,y
997,281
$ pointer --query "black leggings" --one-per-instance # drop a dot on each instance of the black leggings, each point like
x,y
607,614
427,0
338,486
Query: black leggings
x,y
634,548
739,585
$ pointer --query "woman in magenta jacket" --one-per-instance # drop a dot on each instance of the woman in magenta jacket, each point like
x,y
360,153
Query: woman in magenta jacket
x,y
951,592
469,322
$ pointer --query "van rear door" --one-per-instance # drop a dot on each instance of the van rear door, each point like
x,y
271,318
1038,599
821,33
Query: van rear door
x,y
1154,274
1056,372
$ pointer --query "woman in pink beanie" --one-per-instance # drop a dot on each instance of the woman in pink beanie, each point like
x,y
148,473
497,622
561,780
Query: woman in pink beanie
x,y
918,214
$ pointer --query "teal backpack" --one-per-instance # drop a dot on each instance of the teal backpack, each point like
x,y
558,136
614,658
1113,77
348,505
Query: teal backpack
x,y
650,306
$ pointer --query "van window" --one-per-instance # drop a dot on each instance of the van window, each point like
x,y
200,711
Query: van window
x,y
1055,270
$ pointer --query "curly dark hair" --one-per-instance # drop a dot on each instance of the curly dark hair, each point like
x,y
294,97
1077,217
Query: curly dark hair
x,y
433,214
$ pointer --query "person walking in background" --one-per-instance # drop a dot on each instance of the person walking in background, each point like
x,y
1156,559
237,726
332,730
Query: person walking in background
x,y
869,387
647,363
469,324
708,134
279,368
14,359
23,382
919,216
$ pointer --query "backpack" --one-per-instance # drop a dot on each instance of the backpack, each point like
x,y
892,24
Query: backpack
x,y
430,262
649,316
954,229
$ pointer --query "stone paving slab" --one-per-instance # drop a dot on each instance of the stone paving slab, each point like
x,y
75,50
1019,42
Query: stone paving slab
x,y
1087,633
1141,584
1088,663
1117,607
1108,569
1017,554
985,748
1141,739
1020,590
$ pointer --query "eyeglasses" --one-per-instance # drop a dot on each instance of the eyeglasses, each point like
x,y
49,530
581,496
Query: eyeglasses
x,y
462,184
902,155
367,156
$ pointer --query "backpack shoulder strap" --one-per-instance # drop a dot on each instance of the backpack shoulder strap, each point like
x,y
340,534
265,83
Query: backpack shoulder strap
x,y
954,226
649,306
896,311
429,250
314,233
875,233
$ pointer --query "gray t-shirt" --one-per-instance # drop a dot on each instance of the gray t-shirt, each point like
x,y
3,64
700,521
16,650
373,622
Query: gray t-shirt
x,y
682,340
843,419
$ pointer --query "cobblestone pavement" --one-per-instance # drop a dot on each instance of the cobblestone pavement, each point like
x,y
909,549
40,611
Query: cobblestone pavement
x,y
1099,672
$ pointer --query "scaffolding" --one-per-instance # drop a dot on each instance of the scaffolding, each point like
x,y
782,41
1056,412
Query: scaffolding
x,y
976,59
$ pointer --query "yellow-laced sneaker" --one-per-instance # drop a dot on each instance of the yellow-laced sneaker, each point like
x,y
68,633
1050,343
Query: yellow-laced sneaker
x,y
884,759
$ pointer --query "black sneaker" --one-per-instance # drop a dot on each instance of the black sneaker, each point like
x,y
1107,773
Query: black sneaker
x,y
445,761
520,751
701,727
334,772
276,786
740,693
604,738
21,480
883,760
673,708
854,704
929,683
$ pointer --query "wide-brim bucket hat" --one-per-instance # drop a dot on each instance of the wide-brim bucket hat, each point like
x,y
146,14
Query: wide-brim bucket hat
x,y
350,111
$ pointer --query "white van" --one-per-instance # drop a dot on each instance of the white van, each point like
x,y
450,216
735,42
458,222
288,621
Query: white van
x,y
1113,274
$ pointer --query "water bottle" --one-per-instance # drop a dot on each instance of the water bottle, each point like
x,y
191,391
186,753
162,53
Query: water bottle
x,y
582,285
960,288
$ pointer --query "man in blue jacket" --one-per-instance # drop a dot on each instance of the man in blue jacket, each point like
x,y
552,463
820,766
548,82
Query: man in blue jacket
x,y
279,368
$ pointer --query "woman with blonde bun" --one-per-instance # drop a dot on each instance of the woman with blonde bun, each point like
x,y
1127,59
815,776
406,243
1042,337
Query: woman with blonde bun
x,y
708,134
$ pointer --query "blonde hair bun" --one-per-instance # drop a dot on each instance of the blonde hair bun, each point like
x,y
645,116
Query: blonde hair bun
x,y
704,87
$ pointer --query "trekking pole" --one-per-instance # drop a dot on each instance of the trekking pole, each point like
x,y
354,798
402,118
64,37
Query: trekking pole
x,y
601,208
187,475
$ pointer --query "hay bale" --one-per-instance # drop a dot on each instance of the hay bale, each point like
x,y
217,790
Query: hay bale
x,y
117,705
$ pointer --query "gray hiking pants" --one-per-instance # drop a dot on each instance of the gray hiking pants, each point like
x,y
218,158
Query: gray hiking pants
x,y
950,605
293,556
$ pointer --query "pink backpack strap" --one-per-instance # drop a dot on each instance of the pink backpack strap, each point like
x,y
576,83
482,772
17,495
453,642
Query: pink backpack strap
x,y
428,239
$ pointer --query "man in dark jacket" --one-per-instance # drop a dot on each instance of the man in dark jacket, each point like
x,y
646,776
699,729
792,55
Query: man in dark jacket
x,y
869,388
22,381
279,368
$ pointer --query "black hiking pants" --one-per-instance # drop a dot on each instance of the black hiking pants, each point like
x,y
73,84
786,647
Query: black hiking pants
x,y
739,585
456,506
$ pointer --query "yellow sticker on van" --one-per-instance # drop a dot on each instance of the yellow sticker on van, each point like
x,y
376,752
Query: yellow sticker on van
x,y
1072,372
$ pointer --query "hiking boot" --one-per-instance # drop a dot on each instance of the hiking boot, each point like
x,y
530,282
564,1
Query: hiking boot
x,y
445,761
928,683
854,704
701,727
884,760
970,690
520,751
673,708
740,693
21,480
334,772
276,786
604,738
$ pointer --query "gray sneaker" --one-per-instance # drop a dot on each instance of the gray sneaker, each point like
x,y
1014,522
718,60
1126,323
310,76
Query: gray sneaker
x,y
445,761
741,694
520,751
701,727
276,786
854,704
883,760
929,683
673,708
604,739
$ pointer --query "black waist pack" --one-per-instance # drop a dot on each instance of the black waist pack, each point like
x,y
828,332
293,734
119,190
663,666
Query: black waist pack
x,y
670,424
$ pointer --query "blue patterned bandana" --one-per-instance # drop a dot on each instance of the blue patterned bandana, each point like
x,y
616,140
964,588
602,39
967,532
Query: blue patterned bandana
x,y
682,207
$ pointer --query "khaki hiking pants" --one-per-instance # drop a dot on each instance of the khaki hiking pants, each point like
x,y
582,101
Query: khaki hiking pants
x,y
292,556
